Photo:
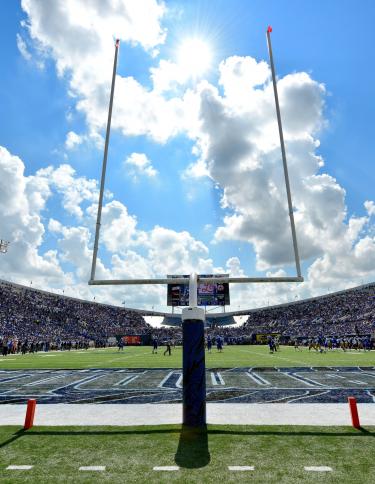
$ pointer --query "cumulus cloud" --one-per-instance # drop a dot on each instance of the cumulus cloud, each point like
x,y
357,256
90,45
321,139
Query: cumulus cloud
x,y
139,165
73,189
80,36
240,151
22,199
22,47
233,126
72,140
125,251
370,207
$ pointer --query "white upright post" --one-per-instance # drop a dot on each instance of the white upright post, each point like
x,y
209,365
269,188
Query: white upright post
x,y
283,154
104,166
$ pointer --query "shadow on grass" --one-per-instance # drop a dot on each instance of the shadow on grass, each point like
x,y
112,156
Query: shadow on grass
x,y
192,451
14,437
360,432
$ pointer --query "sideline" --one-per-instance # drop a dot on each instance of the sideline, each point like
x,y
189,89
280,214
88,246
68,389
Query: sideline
x,y
320,414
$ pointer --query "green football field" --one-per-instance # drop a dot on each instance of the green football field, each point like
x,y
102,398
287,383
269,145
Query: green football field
x,y
278,454
129,454
142,357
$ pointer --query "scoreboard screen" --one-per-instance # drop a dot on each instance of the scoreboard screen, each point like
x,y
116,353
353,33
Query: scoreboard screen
x,y
216,294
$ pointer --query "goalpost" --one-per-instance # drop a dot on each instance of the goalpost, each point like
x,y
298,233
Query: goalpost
x,y
193,317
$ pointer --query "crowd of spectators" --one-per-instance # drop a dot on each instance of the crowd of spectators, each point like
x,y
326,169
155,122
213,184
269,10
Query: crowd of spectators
x,y
345,313
43,321
33,320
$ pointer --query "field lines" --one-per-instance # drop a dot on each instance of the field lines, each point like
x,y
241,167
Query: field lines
x,y
241,385
164,453
142,357
168,468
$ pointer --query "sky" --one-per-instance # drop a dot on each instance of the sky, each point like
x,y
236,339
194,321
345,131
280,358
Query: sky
x,y
194,180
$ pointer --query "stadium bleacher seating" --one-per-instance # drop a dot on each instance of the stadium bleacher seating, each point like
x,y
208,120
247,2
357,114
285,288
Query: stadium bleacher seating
x,y
41,318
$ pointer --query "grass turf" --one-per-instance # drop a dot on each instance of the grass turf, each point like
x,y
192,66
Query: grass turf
x,y
279,454
141,357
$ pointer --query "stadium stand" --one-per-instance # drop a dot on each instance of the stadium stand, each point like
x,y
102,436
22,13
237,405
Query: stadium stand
x,y
344,313
46,320
31,319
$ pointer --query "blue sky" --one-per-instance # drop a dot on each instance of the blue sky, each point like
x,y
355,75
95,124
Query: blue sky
x,y
55,81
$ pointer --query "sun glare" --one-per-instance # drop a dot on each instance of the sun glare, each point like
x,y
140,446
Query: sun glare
x,y
194,57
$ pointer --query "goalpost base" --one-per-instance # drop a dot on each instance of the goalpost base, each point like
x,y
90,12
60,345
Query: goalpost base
x,y
194,368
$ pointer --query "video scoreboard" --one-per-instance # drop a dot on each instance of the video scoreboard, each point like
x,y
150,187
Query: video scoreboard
x,y
209,294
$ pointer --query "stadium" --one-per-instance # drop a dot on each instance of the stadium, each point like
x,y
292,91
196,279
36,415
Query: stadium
x,y
201,305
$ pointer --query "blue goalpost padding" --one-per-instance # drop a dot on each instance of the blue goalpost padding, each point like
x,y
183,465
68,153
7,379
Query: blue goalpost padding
x,y
194,368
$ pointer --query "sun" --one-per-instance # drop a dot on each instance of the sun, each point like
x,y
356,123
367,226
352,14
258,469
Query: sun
x,y
194,57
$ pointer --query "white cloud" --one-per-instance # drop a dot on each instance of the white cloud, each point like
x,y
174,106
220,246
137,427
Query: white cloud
x,y
239,75
194,58
80,36
126,250
167,75
139,165
129,252
22,199
22,47
72,140
239,149
370,207
236,143
74,189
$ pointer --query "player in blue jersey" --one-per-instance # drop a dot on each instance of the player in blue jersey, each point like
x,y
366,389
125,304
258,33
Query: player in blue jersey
x,y
121,344
219,344
155,345
209,343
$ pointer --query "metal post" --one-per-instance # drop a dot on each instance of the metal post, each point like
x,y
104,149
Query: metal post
x,y
104,166
193,360
283,153
3,246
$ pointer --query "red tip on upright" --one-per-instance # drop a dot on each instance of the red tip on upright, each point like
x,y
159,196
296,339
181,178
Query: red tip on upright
x,y
269,29
117,42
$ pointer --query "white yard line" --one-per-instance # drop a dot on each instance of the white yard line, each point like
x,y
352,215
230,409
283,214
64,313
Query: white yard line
x,y
39,382
220,378
371,395
166,468
308,396
241,468
368,374
318,469
306,381
274,355
19,468
257,379
92,468
125,381
179,382
165,379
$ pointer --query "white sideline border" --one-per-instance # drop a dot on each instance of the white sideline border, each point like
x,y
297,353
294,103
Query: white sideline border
x,y
319,414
